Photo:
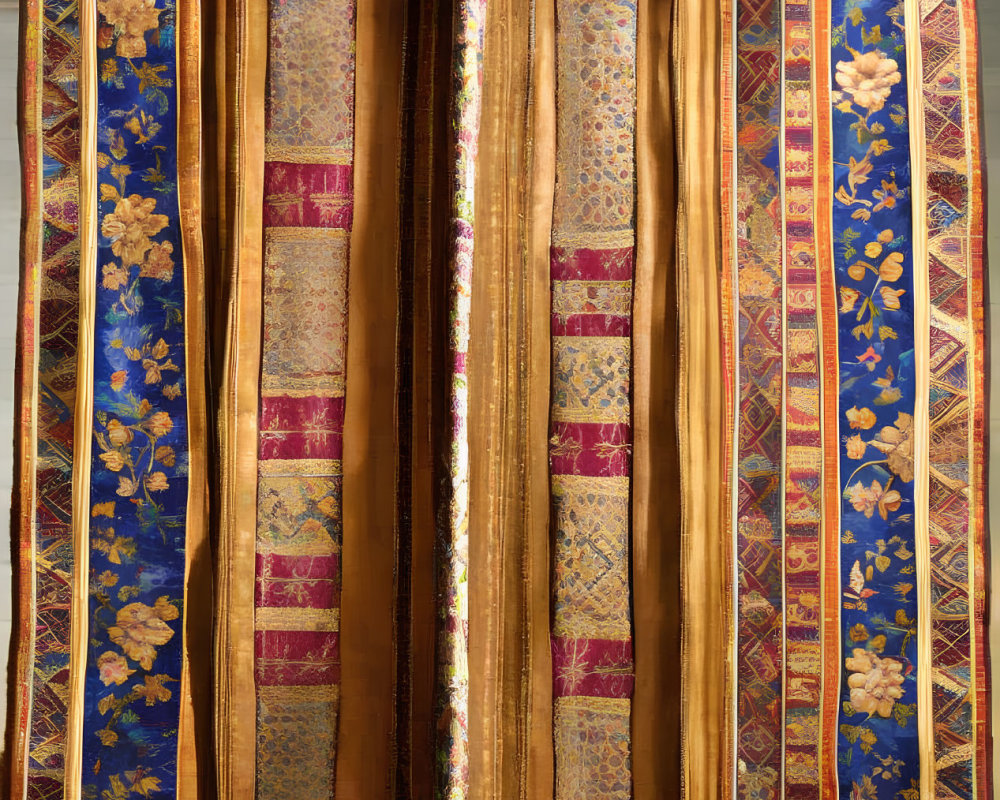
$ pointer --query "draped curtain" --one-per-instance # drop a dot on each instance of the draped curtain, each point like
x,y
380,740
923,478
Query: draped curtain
x,y
500,398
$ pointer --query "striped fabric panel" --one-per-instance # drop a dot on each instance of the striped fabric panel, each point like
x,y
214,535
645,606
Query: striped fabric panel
x,y
760,386
308,205
803,442
51,136
956,455
880,554
591,271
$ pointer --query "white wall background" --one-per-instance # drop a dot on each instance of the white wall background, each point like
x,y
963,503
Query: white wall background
x,y
10,226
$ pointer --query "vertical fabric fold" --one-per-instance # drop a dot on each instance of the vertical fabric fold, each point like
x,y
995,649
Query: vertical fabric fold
x,y
703,405
422,406
452,553
366,745
656,520
196,764
508,363
235,692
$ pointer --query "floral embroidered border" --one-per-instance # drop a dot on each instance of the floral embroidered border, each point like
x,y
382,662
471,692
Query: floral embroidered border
x,y
452,664
878,750
139,471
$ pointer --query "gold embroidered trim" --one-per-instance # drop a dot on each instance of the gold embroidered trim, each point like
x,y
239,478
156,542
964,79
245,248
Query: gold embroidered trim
x,y
296,619
299,468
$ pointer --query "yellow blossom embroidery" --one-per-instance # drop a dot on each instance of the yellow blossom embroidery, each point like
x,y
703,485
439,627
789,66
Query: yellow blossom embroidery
x,y
140,629
129,227
131,19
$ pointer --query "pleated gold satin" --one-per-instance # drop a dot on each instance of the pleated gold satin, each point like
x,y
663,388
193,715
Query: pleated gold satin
x,y
508,617
366,723
706,600
235,696
656,498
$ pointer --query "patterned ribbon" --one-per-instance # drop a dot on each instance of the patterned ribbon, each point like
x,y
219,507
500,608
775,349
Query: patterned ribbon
x,y
590,444
308,205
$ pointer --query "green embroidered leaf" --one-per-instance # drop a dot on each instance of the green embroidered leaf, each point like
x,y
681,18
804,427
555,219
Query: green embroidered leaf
x,y
902,712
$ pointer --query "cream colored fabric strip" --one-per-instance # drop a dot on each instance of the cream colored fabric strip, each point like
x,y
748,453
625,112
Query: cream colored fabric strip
x,y
83,413
921,421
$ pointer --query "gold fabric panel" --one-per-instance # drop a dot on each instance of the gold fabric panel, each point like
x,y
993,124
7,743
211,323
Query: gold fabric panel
x,y
365,735
706,604
656,503
508,357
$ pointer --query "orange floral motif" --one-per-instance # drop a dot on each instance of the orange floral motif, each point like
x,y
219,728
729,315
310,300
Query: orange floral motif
x,y
848,297
160,424
157,482
890,297
118,434
877,683
140,629
856,447
868,79
113,460
871,357
131,20
892,268
863,418
158,263
114,277
165,455
153,690
129,227
126,486
107,578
